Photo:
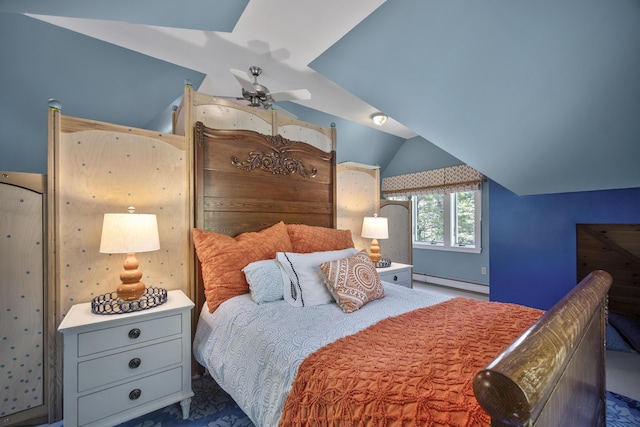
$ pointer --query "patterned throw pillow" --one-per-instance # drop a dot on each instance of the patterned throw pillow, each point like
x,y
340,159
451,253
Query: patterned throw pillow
x,y
308,238
352,281
303,278
223,258
265,281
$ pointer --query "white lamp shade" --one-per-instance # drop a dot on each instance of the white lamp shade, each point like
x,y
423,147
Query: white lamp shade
x,y
124,233
375,227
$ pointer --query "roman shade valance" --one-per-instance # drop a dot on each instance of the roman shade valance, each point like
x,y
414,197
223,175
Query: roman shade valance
x,y
436,181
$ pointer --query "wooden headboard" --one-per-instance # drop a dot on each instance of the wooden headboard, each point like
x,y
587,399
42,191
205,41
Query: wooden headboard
x,y
247,181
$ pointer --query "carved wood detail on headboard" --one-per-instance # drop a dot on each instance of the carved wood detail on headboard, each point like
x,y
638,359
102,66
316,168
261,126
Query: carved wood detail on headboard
x,y
276,161
278,158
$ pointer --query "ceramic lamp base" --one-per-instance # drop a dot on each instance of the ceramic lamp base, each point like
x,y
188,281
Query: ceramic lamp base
x,y
131,287
374,251
130,291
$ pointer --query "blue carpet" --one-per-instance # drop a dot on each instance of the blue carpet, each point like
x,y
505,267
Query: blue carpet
x,y
622,411
212,407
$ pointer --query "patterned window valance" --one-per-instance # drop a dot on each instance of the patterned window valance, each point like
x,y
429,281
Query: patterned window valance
x,y
437,181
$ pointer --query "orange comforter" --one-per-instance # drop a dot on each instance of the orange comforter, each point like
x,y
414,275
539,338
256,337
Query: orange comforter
x,y
413,369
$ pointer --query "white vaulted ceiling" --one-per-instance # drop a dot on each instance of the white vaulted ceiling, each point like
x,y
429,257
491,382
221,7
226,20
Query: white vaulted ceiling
x,y
540,96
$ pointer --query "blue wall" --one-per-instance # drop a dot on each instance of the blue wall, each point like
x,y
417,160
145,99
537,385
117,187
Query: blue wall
x,y
533,239
417,155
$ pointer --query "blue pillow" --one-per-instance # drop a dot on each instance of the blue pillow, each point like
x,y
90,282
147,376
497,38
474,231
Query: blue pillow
x,y
628,328
265,281
614,341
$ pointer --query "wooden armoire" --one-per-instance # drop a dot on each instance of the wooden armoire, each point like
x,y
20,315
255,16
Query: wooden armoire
x,y
26,339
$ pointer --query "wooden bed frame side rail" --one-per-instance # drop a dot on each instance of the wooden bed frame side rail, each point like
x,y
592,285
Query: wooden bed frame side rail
x,y
554,373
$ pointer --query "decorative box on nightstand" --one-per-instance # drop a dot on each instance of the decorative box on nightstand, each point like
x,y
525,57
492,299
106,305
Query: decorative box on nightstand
x,y
399,274
120,366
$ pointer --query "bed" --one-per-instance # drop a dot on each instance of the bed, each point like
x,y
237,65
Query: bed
x,y
254,190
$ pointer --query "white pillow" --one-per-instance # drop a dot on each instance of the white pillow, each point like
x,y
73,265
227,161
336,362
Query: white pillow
x,y
265,280
303,280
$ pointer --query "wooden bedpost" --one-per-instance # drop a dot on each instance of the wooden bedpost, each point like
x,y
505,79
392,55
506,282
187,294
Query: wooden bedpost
x,y
557,365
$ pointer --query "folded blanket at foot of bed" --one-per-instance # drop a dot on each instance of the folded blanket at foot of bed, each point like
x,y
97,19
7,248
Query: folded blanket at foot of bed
x,y
416,368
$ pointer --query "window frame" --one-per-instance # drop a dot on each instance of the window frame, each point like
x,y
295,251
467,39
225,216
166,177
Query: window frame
x,y
449,225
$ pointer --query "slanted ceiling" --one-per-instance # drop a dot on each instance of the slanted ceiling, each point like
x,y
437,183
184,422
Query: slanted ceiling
x,y
540,96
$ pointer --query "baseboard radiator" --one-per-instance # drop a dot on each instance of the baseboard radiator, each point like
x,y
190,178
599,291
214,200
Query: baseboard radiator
x,y
452,283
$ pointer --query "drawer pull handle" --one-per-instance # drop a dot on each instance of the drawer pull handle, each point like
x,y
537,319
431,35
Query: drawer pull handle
x,y
135,394
134,363
134,333
395,278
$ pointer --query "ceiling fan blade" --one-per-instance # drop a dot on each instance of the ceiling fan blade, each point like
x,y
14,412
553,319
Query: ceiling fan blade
x,y
243,79
290,95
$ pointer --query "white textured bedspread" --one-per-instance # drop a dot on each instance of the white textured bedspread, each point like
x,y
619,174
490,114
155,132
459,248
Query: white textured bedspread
x,y
253,351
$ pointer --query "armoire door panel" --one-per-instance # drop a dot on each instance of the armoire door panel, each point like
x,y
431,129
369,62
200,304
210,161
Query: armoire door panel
x,y
23,328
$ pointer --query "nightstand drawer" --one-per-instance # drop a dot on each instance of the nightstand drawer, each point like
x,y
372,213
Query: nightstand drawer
x,y
105,403
399,277
132,333
104,370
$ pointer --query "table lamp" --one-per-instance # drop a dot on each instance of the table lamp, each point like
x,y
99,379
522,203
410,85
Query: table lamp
x,y
375,227
129,233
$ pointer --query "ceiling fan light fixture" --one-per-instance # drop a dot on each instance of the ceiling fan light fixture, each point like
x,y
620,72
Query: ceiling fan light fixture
x,y
258,95
379,119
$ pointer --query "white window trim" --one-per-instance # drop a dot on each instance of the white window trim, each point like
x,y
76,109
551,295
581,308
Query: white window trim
x,y
446,246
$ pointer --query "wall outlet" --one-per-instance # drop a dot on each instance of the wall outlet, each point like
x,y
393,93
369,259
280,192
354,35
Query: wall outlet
x,y
483,270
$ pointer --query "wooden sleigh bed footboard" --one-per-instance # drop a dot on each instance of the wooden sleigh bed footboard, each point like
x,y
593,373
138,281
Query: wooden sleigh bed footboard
x,y
554,374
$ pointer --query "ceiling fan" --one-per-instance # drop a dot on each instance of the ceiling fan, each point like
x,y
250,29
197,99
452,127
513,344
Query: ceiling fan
x,y
258,95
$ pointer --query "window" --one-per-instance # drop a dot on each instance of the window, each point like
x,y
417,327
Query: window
x,y
447,221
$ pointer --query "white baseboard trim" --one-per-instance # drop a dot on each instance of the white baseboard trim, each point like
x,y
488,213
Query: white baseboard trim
x,y
452,283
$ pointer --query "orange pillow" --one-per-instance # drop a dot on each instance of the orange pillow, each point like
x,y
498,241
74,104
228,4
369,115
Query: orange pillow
x,y
223,258
308,238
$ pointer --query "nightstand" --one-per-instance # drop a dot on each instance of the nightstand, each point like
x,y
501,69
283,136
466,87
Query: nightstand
x,y
399,274
120,366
